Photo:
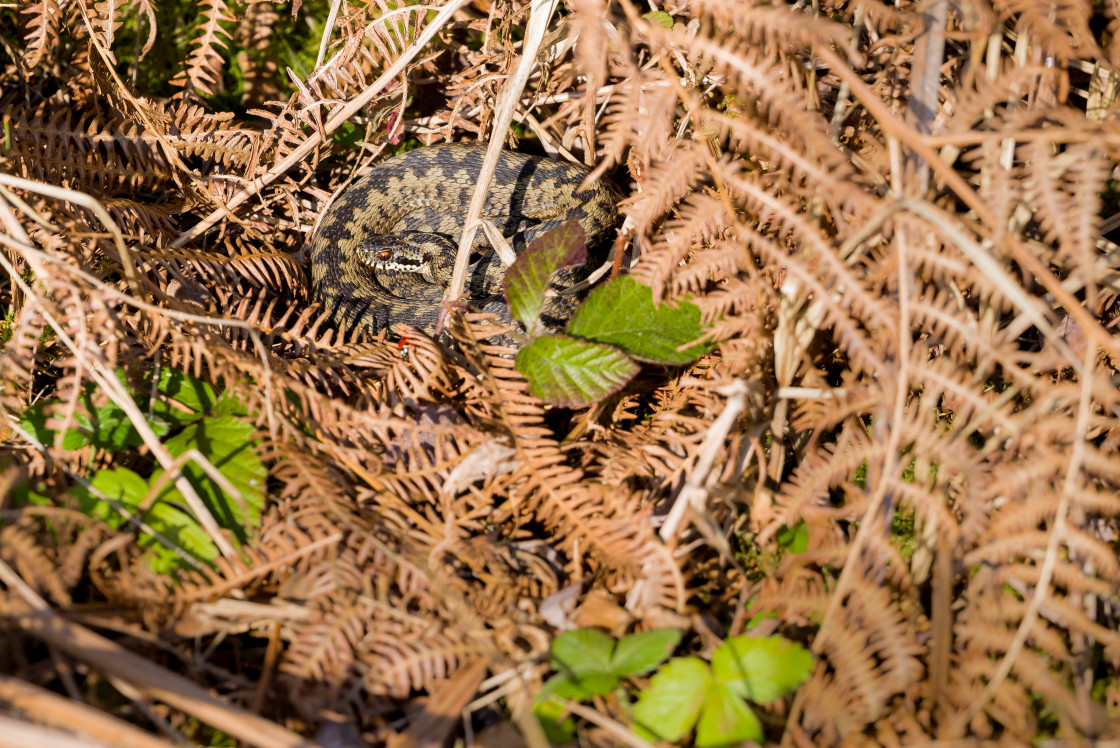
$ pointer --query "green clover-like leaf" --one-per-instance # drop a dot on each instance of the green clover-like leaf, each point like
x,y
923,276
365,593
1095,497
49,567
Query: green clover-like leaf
x,y
638,654
761,669
725,719
669,708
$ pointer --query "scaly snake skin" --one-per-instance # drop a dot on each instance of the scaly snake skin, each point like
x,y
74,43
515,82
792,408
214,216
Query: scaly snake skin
x,y
384,250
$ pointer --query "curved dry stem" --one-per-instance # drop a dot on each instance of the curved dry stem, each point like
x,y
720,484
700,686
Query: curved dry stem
x,y
540,15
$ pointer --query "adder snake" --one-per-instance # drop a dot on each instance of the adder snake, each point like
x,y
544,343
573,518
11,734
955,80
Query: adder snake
x,y
385,248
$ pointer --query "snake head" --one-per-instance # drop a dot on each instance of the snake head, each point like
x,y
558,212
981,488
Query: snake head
x,y
420,253
390,253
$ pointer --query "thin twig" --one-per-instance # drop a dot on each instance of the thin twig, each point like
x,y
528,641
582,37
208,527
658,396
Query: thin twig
x,y
152,680
540,15
694,495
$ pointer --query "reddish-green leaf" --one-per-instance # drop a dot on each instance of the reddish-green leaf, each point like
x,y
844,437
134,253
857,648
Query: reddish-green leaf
x,y
527,278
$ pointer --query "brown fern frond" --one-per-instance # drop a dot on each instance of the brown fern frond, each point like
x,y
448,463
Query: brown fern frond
x,y
43,23
1064,189
213,140
600,522
19,358
90,154
870,670
683,165
20,549
637,116
241,267
252,38
398,663
1059,28
325,650
202,70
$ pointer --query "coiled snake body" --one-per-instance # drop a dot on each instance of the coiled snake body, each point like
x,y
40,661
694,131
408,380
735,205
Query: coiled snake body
x,y
385,249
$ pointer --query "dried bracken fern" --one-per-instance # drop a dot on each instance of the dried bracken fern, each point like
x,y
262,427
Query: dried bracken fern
x,y
890,217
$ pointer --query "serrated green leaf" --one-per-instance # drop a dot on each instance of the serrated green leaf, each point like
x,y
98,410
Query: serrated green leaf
x,y
669,708
107,427
725,719
180,529
229,405
120,485
527,278
761,669
226,442
638,654
572,373
621,313
111,429
184,399
75,438
128,489
34,422
582,651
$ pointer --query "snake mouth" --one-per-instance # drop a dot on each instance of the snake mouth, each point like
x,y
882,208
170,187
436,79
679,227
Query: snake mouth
x,y
382,258
400,265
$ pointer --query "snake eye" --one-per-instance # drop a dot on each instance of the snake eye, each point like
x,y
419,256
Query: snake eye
x,y
383,254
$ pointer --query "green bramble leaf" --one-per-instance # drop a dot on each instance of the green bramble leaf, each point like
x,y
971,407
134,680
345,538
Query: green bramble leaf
x,y
669,708
107,427
761,669
621,313
120,485
227,443
582,651
794,539
638,654
128,490
185,398
527,278
34,422
573,373
725,719
110,429
660,17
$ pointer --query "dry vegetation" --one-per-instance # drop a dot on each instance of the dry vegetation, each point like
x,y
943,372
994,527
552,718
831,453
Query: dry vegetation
x,y
890,215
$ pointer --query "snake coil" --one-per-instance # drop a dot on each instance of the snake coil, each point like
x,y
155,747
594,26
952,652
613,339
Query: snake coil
x,y
384,249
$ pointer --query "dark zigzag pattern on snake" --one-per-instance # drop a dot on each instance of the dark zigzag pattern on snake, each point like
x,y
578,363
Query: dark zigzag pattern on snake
x,y
416,203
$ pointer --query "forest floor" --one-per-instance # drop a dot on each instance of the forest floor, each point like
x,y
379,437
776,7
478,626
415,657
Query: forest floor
x,y
832,456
